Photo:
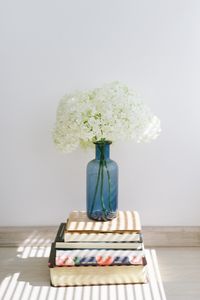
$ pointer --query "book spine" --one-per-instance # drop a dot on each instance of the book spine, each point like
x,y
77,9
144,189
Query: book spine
x,y
69,261
60,233
102,237
132,246
51,262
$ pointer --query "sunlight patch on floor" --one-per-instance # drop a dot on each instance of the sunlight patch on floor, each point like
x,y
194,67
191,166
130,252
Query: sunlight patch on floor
x,y
12,288
28,251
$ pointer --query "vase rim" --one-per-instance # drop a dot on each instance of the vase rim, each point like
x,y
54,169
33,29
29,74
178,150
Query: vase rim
x,y
102,142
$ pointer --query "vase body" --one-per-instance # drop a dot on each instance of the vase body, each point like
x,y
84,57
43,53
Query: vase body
x,y
102,185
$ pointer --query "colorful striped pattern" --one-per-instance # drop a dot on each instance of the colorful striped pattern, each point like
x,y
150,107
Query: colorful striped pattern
x,y
99,257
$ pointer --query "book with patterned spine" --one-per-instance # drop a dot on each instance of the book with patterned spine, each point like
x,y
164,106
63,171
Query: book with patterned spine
x,y
126,221
98,257
94,275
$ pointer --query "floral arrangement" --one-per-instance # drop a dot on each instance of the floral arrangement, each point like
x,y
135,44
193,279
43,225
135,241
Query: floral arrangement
x,y
101,116
113,112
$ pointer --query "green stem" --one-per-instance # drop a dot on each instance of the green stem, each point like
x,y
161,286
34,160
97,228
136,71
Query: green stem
x,y
101,191
109,186
101,174
96,189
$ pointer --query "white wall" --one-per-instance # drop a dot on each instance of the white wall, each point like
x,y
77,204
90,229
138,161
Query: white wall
x,y
48,48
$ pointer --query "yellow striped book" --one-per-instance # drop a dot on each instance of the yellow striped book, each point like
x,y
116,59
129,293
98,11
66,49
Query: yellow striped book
x,y
126,221
94,275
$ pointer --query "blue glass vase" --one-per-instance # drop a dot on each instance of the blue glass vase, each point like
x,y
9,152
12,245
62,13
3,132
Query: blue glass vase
x,y
102,184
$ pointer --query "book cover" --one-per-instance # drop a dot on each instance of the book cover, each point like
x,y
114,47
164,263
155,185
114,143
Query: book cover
x,y
76,237
94,275
98,240
99,257
99,245
126,221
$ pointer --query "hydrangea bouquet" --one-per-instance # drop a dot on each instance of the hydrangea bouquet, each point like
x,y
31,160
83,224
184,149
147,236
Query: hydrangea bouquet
x,y
111,113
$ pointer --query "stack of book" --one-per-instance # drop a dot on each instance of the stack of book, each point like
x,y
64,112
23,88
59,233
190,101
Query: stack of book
x,y
87,252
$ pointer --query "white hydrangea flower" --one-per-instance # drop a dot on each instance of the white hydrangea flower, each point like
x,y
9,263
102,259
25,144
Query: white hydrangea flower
x,y
113,112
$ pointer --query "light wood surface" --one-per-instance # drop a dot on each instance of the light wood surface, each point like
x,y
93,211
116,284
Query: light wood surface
x,y
180,271
179,268
154,236
32,236
171,236
24,275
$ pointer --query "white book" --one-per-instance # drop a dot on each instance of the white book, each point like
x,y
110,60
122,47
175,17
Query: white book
x,y
101,245
102,237
100,252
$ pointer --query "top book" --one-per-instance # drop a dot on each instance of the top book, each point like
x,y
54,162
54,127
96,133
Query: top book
x,y
126,221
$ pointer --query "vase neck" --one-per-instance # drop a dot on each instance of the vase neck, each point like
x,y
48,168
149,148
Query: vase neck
x,y
102,150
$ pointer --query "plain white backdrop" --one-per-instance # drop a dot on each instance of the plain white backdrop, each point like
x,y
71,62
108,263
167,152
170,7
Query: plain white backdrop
x,y
49,48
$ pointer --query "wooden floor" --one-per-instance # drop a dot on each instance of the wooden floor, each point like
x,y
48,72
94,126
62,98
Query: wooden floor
x,y
180,271
179,268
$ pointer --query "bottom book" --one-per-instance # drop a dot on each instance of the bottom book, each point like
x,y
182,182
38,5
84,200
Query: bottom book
x,y
95,275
